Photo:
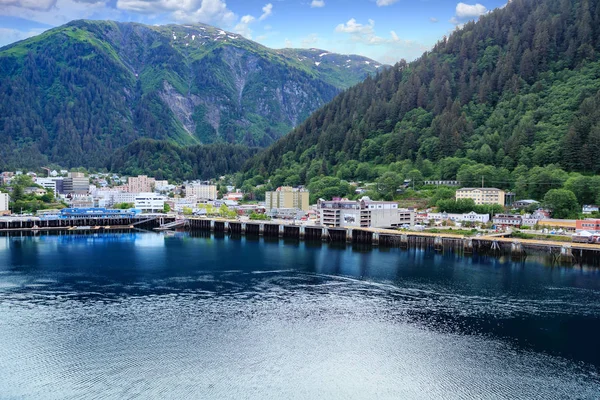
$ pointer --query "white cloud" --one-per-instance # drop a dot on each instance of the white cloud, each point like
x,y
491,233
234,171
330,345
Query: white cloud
x,y
207,11
383,3
361,33
60,11
288,43
356,28
267,11
310,41
434,20
243,27
469,11
40,5
317,3
363,39
465,12
8,36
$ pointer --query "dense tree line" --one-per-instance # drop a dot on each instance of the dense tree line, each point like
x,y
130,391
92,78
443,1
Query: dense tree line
x,y
165,160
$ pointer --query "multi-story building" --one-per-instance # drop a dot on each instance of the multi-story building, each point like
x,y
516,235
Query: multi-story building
x,y
443,183
588,224
150,202
160,184
467,217
4,200
76,183
363,213
47,183
124,197
140,184
201,191
287,197
482,195
507,220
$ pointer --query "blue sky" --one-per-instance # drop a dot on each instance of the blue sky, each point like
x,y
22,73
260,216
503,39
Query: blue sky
x,y
385,30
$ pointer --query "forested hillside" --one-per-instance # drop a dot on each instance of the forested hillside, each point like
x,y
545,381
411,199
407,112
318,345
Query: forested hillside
x,y
513,98
75,94
164,160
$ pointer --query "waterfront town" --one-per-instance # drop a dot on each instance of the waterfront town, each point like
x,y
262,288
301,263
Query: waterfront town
x,y
76,194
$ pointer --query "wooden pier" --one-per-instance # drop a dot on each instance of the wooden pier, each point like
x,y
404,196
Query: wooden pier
x,y
518,249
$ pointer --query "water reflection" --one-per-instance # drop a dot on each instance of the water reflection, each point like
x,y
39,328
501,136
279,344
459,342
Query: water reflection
x,y
156,316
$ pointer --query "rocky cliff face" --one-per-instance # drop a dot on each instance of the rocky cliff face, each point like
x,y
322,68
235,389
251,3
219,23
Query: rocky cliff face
x,y
75,93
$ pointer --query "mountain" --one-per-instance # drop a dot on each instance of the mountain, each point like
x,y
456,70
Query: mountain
x,y
510,96
75,94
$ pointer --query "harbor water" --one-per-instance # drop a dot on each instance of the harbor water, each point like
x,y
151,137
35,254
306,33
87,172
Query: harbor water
x,y
144,315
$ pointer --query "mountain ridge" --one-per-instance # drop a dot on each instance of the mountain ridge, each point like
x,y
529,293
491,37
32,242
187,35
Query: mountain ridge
x,y
78,92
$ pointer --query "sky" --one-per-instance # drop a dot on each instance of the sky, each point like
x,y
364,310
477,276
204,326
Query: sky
x,y
384,30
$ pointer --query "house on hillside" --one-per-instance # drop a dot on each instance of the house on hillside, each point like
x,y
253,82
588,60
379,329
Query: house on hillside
x,y
589,209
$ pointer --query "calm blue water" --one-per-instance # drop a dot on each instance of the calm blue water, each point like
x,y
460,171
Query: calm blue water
x,y
147,316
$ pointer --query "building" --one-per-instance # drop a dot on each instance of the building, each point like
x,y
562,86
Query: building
x,y
442,183
569,225
505,220
76,183
525,203
531,220
81,201
588,224
91,212
150,202
363,213
48,184
286,213
162,186
124,197
140,184
589,209
287,197
467,217
482,195
4,201
234,196
35,191
201,191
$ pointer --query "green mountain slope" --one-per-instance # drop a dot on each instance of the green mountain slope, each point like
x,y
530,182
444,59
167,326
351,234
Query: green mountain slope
x,y
516,91
75,94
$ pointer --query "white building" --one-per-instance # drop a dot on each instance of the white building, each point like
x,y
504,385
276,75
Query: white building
x,y
124,197
588,209
47,183
363,213
201,191
468,217
4,200
150,202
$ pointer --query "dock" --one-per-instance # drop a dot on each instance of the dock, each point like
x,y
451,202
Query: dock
x,y
14,223
495,245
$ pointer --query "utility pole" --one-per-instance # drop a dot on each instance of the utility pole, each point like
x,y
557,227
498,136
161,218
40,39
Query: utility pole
x,y
482,180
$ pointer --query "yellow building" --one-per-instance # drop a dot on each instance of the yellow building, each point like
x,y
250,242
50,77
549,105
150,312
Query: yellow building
x,y
482,195
287,197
